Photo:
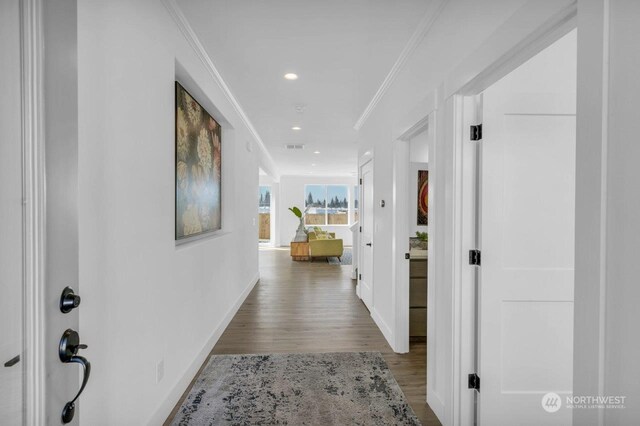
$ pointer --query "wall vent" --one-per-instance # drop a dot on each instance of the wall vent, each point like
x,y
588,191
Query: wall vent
x,y
294,146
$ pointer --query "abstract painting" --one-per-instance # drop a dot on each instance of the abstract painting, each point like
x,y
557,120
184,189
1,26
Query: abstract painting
x,y
423,197
198,168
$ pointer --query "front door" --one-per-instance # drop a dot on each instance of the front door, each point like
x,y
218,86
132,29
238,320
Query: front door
x,y
11,245
62,246
366,236
527,216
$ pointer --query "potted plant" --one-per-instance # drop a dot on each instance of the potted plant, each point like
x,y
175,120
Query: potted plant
x,y
301,232
420,241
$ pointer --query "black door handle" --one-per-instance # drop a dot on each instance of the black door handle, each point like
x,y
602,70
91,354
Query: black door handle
x,y
68,352
369,244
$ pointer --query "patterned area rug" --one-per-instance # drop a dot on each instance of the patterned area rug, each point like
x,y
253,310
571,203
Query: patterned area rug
x,y
346,258
354,388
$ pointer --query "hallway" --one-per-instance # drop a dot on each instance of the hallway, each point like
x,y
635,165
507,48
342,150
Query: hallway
x,y
302,307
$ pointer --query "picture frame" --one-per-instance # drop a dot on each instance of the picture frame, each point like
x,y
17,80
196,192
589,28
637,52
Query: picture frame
x,y
198,168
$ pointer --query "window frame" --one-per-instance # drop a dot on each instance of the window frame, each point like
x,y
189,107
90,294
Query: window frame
x,y
326,194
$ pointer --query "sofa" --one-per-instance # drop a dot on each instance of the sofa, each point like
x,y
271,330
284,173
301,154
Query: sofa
x,y
320,246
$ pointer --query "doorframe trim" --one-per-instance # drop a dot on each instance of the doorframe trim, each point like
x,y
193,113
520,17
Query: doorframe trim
x,y
34,207
555,28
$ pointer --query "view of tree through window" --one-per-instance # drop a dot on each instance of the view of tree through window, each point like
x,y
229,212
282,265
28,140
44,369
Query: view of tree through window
x,y
264,212
327,204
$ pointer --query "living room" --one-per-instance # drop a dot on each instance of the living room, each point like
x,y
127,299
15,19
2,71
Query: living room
x,y
326,202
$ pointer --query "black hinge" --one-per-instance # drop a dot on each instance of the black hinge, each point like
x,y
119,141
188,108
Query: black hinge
x,y
360,181
474,257
476,132
360,277
361,229
474,382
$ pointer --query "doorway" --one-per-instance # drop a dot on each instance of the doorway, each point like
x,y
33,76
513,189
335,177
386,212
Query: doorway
x,y
525,233
417,216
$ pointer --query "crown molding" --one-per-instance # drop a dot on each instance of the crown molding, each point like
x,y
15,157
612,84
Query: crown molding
x,y
185,28
427,21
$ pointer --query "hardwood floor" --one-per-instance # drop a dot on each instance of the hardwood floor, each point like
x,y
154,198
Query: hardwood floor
x,y
312,307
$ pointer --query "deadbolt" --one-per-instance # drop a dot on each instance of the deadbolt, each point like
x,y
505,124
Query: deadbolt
x,y
68,300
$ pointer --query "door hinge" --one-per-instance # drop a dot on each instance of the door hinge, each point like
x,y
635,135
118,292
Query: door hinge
x,y
474,257
360,181
361,229
476,132
474,382
360,277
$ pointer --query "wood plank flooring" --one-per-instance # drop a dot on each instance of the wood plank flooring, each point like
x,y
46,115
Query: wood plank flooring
x,y
312,307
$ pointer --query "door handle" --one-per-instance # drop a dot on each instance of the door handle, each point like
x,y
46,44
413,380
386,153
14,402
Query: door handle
x,y
369,244
68,352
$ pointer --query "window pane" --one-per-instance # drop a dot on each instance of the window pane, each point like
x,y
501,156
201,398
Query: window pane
x,y
356,203
316,202
338,205
264,212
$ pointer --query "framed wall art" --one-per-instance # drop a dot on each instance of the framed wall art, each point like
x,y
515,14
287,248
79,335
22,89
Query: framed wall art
x,y
423,197
198,168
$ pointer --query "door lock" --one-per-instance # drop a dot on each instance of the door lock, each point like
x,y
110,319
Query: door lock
x,y
68,300
68,352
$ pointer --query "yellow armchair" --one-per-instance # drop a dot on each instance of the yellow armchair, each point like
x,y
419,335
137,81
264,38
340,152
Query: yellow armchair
x,y
325,247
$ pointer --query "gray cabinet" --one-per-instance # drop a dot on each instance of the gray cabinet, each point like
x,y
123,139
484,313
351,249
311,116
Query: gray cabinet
x,y
418,298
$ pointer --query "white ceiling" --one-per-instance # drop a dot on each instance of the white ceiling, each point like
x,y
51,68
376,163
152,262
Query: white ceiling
x,y
341,49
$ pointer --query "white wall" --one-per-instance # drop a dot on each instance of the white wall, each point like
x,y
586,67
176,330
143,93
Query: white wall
x,y
144,299
292,194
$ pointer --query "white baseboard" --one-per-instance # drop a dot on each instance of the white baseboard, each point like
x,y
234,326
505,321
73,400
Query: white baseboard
x,y
174,396
384,328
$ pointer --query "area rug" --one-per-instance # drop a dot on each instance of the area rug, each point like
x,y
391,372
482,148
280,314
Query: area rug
x,y
353,388
346,258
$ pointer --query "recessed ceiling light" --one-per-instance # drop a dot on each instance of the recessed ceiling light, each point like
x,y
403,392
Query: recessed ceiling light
x,y
296,128
316,152
291,76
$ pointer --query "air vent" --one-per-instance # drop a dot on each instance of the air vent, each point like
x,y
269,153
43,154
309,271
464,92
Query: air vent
x,y
294,147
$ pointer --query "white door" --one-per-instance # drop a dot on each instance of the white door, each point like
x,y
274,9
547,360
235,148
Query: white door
x,y
11,346
527,214
366,237
62,250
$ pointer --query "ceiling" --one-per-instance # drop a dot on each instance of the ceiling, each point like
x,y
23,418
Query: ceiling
x,y
341,51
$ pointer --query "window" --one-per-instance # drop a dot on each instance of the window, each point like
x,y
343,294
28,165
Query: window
x,y
264,199
356,202
326,204
264,211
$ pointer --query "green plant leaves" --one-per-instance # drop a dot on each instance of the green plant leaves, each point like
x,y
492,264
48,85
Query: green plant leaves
x,y
296,211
